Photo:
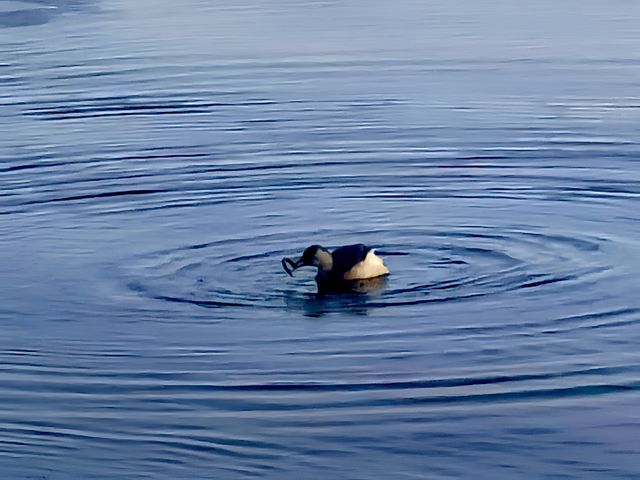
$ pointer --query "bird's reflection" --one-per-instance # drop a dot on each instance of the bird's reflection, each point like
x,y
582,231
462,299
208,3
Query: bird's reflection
x,y
354,298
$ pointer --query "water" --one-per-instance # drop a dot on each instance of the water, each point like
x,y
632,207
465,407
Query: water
x,y
159,158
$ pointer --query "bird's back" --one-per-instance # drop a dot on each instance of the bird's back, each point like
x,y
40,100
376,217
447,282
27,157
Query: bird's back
x,y
345,258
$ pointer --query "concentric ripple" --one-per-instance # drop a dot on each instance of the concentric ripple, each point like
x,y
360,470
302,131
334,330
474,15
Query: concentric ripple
x,y
427,266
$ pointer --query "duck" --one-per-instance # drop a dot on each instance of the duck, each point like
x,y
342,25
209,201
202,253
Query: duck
x,y
345,268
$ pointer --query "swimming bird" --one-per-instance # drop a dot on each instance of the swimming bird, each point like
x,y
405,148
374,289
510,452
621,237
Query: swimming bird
x,y
343,269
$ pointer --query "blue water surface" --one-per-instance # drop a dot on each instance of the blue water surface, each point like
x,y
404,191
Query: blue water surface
x,y
158,159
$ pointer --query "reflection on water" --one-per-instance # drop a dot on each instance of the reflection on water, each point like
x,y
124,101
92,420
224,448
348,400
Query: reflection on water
x,y
357,299
316,305
158,160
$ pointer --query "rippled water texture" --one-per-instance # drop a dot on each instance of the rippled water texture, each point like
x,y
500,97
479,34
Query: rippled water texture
x,y
158,159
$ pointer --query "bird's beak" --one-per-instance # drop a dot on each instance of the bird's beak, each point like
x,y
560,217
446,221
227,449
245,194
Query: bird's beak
x,y
289,265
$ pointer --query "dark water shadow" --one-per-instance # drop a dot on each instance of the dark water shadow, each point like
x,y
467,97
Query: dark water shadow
x,y
26,13
22,16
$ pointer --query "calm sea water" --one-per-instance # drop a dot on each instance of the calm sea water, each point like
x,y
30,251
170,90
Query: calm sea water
x,y
157,159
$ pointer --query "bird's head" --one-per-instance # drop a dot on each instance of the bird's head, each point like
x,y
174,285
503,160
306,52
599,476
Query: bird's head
x,y
313,256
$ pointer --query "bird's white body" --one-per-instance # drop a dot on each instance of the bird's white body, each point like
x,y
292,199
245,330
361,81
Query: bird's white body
x,y
372,266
